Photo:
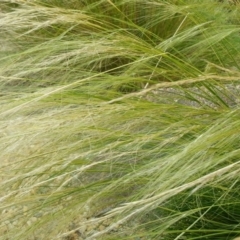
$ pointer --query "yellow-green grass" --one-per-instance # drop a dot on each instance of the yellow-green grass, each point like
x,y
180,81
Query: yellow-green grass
x,y
119,120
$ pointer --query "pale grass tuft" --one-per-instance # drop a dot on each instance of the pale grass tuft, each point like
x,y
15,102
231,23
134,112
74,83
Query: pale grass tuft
x,y
119,120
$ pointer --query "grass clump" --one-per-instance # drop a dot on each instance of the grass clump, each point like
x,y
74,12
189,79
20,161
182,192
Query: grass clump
x,y
119,119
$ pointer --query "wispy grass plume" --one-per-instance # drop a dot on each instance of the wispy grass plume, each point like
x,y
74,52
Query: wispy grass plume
x,y
119,119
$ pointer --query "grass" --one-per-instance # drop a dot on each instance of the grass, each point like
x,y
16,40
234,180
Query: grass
x,y
119,119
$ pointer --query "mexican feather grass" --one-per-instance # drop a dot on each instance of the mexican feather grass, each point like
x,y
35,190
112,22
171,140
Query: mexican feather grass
x,y
119,119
